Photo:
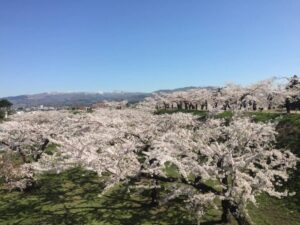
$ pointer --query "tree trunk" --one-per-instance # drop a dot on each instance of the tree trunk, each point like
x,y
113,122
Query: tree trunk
x,y
239,216
231,213
226,218
288,105
242,220
155,195
42,149
179,105
226,215
23,156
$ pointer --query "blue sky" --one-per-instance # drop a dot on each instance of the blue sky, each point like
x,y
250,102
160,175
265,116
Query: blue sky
x,y
144,45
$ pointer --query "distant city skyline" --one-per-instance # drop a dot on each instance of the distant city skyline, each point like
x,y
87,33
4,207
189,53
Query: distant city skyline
x,y
144,46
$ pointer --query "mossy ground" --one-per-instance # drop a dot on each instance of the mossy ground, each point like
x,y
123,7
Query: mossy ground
x,y
73,197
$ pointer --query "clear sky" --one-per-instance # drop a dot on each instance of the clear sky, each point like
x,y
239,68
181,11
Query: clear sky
x,y
144,45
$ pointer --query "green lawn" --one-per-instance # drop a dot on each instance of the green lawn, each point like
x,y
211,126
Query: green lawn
x,y
73,197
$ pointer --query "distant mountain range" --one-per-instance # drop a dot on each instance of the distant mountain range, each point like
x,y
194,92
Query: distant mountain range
x,y
73,98
183,89
58,99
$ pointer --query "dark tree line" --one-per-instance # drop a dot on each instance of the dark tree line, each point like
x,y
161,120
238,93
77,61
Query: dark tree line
x,y
5,106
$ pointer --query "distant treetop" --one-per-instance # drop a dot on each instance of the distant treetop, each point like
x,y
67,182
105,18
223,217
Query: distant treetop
x,y
4,103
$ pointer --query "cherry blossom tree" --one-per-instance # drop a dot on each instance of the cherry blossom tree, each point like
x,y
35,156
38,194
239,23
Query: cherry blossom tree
x,y
133,146
270,94
25,139
293,88
239,158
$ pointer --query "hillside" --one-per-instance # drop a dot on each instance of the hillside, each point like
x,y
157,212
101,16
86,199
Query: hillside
x,y
73,98
55,99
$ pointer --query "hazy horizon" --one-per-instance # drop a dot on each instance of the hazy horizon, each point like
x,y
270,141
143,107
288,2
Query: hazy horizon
x,y
98,92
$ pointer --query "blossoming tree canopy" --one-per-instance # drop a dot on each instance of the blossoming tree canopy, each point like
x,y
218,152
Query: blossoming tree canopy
x,y
239,158
270,94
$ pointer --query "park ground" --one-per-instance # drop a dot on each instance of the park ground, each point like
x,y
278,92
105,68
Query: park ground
x,y
74,196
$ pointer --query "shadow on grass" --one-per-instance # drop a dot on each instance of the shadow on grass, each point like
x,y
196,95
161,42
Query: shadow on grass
x,y
73,198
